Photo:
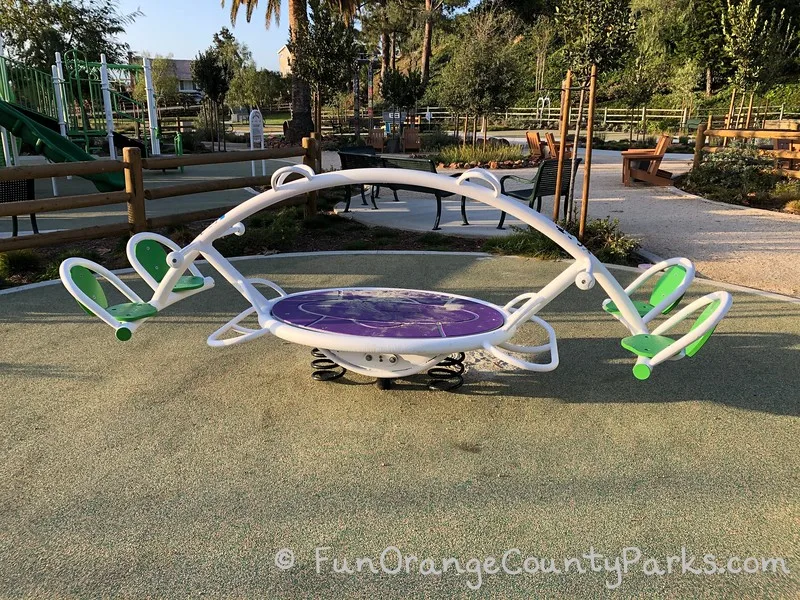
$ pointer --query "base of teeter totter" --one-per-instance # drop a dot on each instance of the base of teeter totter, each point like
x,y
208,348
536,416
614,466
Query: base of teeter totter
x,y
324,368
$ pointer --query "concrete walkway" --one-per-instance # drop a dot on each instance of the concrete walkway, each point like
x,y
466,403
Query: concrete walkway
x,y
162,468
739,245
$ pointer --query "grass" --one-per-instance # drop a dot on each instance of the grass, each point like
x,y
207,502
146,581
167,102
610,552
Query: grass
x,y
602,237
477,154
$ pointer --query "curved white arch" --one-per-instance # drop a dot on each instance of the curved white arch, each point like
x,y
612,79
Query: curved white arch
x,y
586,268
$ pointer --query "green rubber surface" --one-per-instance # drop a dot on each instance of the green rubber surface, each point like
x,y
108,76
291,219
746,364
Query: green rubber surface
x,y
163,468
54,146
188,282
646,345
132,311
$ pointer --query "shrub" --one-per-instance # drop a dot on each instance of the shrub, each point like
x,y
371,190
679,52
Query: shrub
x,y
477,154
793,207
736,174
602,237
19,262
433,141
787,191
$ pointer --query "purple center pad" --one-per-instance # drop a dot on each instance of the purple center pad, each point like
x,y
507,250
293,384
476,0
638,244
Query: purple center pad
x,y
387,312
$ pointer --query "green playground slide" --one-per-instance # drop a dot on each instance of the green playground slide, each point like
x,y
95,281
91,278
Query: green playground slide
x,y
54,146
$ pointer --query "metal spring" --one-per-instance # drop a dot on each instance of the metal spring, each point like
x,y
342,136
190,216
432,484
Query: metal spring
x,y
324,368
446,376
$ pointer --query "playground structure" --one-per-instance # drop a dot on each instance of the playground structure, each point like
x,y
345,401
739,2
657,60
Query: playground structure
x,y
60,114
391,333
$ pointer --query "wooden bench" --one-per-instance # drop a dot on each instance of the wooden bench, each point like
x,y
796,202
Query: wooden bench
x,y
376,139
642,164
18,190
420,164
537,146
544,184
361,157
411,140
553,146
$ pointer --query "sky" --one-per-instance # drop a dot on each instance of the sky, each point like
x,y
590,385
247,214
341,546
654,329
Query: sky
x,y
185,27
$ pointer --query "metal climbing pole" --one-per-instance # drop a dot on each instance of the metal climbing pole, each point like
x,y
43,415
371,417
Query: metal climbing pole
x,y
152,115
104,86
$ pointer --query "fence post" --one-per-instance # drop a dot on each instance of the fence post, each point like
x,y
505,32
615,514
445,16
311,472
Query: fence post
x,y
780,116
310,160
699,144
134,185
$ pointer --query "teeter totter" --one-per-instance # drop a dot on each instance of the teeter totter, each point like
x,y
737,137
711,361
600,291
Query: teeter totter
x,y
390,333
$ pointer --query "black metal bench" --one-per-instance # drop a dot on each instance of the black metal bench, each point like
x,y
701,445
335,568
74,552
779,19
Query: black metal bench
x,y
360,157
421,164
18,190
544,184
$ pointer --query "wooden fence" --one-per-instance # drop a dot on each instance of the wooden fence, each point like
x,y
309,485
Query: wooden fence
x,y
137,196
787,159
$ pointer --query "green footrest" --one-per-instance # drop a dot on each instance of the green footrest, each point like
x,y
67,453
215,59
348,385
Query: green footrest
x,y
641,307
646,345
132,311
188,282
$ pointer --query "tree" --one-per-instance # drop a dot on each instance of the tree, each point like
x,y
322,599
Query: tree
x,y
485,79
165,82
323,54
594,32
233,54
703,39
252,87
759,48
213,76
301,123
434,10
34,30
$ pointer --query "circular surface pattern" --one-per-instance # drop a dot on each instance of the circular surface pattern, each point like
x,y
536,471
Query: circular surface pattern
x,y
387,313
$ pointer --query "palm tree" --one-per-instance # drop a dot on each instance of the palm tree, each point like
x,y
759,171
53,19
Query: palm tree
x,y
301,123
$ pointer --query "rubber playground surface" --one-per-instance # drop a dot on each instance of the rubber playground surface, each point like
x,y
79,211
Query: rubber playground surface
x,y
163,468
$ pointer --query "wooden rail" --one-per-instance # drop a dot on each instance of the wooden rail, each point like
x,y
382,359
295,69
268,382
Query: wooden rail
x,y
136,195
703,133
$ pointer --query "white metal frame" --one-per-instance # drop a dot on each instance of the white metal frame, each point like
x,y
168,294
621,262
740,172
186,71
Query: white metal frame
x,y
407,355
675,295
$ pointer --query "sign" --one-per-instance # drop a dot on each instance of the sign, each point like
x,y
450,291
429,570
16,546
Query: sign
x,y
394,116
257,139
256,129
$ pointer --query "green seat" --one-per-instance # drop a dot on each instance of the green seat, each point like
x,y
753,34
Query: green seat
x,y
648,345
88,284
669,281
131,311
152,256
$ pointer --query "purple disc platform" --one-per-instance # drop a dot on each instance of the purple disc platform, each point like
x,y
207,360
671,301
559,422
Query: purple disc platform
x,y
387,313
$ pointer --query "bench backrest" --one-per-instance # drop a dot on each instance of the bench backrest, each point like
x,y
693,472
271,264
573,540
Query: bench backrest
x,y
545,181
414,164
359,160
17,190
376,138
658,153
551,144
411,139
535,144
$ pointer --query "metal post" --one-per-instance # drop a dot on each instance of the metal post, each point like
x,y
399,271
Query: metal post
x,y
356,99
370,76
780,116
109,112
152,115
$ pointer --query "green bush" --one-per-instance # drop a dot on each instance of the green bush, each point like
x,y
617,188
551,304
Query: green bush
x,y
602,237
434,141
793,207
477,154
737,174
787,191
19,262
271,231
